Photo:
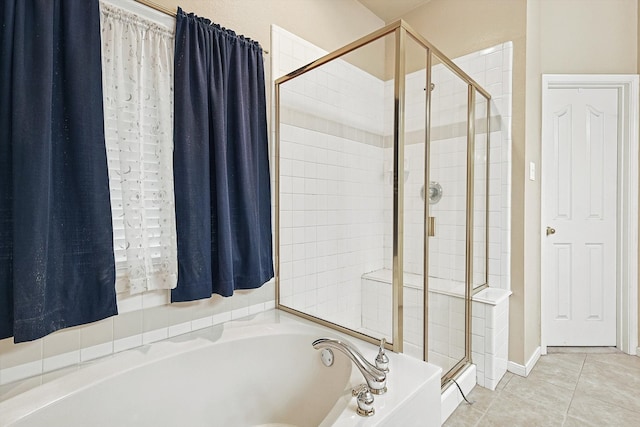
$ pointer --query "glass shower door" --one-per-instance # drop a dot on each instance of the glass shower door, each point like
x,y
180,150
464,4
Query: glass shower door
x,y
415,127
447,195
333,179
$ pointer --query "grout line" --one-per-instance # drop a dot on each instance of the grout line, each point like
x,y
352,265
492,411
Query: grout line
x,y
581,368
573,393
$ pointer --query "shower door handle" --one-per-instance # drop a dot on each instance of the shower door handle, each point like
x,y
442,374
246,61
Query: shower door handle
x,y
431,226
550,231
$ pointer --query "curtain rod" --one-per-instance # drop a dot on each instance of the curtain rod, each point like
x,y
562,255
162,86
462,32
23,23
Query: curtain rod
x,y
168,11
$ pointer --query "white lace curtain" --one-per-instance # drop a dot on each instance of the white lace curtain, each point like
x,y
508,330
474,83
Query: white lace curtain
x,y
137,62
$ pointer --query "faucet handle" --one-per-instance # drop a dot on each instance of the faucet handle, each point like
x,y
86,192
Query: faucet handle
x,y
358,389
382,361
365,402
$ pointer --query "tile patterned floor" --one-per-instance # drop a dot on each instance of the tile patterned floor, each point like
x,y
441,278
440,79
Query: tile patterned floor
x,y
568,387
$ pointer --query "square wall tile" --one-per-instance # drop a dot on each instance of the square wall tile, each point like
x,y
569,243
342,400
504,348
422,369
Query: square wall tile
x,y
96,333
12,355
61,342
127,325
154,319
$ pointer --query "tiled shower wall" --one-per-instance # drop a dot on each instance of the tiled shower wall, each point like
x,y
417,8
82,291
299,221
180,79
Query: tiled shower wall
x,y
331,222
330,181
491,68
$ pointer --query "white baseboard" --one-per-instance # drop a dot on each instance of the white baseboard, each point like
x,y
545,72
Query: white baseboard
x,y
638,351
525,370
451,398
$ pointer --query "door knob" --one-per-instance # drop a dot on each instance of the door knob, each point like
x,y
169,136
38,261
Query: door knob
x,y
551,231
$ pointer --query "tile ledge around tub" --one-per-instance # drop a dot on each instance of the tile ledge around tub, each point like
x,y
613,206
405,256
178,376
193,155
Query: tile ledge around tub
x,y
12,377
492,296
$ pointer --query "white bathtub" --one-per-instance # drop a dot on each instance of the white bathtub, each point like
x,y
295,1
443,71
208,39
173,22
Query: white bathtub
x,y
258,372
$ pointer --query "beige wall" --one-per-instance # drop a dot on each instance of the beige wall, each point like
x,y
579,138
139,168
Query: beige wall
x,y
568,37
329,24
593,36
586,37
532,195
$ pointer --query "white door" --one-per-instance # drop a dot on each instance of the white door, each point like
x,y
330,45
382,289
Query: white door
x,y
579,215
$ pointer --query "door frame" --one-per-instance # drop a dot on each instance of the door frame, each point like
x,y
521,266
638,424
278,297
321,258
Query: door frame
x,y
627,200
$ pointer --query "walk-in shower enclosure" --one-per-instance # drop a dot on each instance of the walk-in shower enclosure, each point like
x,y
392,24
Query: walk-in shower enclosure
x,y
381,185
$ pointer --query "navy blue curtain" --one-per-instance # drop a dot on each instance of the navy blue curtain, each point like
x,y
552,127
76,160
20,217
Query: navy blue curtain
x,y
56,243
221,162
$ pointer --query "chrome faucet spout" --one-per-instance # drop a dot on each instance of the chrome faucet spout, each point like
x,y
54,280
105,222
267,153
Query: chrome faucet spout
x,y
376,378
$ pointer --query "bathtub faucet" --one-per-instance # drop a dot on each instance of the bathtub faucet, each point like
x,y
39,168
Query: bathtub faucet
x,y
375,377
